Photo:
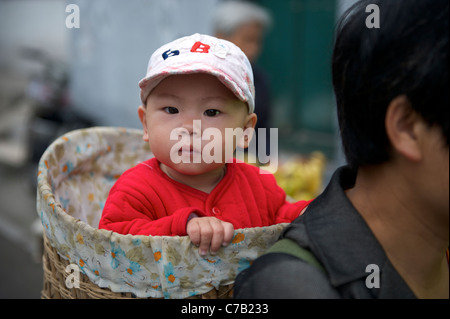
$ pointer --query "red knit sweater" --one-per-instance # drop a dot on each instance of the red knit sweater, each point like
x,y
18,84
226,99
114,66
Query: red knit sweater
x,y
145,201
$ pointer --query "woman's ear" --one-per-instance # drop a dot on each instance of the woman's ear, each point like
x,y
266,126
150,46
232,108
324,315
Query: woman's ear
x,y
142,116
404,128
249,130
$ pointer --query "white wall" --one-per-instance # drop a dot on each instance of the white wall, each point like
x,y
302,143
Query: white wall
x,y
110,51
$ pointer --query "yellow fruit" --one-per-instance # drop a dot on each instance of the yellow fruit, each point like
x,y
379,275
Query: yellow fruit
x,y
300,177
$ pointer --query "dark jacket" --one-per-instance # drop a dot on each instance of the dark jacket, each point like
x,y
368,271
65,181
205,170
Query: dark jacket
x,y
341,241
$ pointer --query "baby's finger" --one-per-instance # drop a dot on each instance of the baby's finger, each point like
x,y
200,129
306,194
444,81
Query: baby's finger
x,y
206,234
193,231
228,233
217,237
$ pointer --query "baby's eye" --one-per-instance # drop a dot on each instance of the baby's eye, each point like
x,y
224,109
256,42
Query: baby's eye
x,y
171,110
212,113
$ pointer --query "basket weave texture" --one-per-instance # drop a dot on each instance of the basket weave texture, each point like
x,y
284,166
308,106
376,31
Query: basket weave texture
x,y
56,276
75,175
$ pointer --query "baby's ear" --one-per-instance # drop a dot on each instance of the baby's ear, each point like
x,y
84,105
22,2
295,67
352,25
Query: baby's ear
x,y
249,131
142,116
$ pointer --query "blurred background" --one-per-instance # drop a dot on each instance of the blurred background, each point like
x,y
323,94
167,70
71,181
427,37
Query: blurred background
x,y
56,76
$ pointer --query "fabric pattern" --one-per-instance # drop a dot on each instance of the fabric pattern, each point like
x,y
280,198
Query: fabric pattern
x,y
75,175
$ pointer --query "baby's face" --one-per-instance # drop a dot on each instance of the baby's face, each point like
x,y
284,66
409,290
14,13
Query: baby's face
x,y
184,105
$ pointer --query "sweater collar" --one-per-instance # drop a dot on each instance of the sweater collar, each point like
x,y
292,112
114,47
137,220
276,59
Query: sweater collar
x,y
154,164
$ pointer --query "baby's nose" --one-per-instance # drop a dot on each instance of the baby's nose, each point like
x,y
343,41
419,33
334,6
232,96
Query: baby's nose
x,y
194,127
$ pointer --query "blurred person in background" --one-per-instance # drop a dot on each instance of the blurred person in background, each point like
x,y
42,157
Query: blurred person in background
x,y
245,24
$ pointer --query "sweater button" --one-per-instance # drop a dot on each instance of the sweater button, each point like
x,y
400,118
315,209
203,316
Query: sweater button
x,y
215,210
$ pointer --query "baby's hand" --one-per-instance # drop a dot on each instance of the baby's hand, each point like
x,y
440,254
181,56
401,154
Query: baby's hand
x,y
209,233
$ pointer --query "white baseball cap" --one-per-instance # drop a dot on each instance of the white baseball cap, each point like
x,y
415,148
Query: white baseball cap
x,y
200,53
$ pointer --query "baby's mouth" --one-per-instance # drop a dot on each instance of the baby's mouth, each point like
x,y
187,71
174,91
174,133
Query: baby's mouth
x,y
188,149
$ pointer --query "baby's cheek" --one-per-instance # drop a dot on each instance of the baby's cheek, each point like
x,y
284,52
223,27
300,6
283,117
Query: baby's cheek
x,y
159,146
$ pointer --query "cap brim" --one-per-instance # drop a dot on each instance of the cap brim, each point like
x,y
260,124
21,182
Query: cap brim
x,y
147,84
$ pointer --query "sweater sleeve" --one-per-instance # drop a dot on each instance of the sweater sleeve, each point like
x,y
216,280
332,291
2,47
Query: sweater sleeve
x,y
285,212
131,212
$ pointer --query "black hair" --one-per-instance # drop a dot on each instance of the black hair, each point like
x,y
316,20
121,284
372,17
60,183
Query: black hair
x,y
407,55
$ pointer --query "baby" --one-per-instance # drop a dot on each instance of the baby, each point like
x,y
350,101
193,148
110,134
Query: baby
x,y
197,89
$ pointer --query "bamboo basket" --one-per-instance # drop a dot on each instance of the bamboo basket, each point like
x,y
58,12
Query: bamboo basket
x,y
75,175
